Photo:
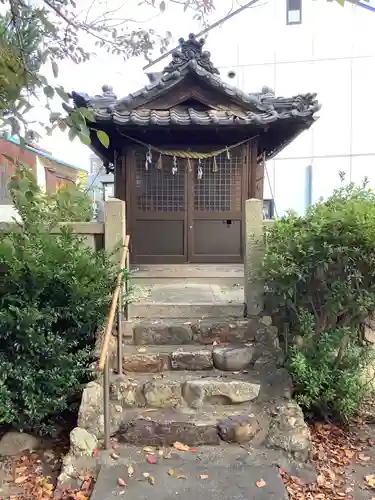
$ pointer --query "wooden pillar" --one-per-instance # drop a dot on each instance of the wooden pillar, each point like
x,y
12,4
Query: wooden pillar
x,y
119,176
256,177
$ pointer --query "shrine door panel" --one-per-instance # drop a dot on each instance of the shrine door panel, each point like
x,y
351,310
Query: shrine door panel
x,y
215,201
158,212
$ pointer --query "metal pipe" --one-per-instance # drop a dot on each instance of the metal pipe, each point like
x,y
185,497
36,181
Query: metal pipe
x,y
106,408
119,331
127,268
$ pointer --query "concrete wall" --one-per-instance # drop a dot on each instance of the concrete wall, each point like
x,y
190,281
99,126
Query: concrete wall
x,y
109,235
254,250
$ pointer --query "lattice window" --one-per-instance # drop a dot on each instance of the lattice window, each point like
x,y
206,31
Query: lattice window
x,y
159,190
219,191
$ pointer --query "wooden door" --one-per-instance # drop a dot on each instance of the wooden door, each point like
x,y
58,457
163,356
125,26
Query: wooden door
x,y
215,209
158,211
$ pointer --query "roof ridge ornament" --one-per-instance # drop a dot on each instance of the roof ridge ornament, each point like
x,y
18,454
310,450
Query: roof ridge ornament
x,y
191,50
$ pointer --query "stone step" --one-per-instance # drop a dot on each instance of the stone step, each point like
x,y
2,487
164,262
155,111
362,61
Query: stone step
x,y
192,427
184,389
149,310
156,359
205,332
164,409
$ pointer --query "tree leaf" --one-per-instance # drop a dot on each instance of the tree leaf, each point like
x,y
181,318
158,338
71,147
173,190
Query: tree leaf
x,y
87,113
49,91
162,6
61,93
121,482
180,446
85,139
103,137
55,69
72,134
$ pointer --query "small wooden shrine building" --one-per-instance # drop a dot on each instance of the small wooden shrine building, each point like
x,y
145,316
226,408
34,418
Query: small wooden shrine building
x,y
187,150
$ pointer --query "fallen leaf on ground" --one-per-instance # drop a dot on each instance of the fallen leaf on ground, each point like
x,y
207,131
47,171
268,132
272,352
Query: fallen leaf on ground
x,y
181,477
149,449
180,446
370,480
171,472
151,480
151,459
21,479
363,458
145,474
141,349
121,482
130,470
115,456
261,483
203,476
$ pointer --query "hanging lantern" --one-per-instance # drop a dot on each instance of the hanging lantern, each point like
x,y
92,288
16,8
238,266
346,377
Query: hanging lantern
x,y
174,168
200,171
148,161
189,165
228,152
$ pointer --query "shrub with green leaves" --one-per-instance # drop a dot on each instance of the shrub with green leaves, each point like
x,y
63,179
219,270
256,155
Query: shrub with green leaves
x,y
325,386
54,296
319,271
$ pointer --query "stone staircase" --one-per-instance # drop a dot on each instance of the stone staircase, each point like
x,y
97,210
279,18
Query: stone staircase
x,y
196,371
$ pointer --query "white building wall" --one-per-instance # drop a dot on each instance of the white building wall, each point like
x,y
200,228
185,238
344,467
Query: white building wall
x,y
332,52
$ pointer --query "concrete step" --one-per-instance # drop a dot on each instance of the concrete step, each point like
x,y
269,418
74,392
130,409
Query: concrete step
x,y
186,300
191,480
220,274
147,310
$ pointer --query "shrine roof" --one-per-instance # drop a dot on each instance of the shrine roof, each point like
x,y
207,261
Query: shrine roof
x,y
184,116
259,108
189,93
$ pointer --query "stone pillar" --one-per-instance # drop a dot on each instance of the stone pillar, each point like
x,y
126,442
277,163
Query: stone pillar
x,y
254,251
114,228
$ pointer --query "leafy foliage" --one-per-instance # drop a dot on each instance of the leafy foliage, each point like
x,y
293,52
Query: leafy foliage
x,y
325,386
70,203
54,296
320,280
35,34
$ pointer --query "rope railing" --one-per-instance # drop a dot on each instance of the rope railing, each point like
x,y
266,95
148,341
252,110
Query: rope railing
x,y
116,306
